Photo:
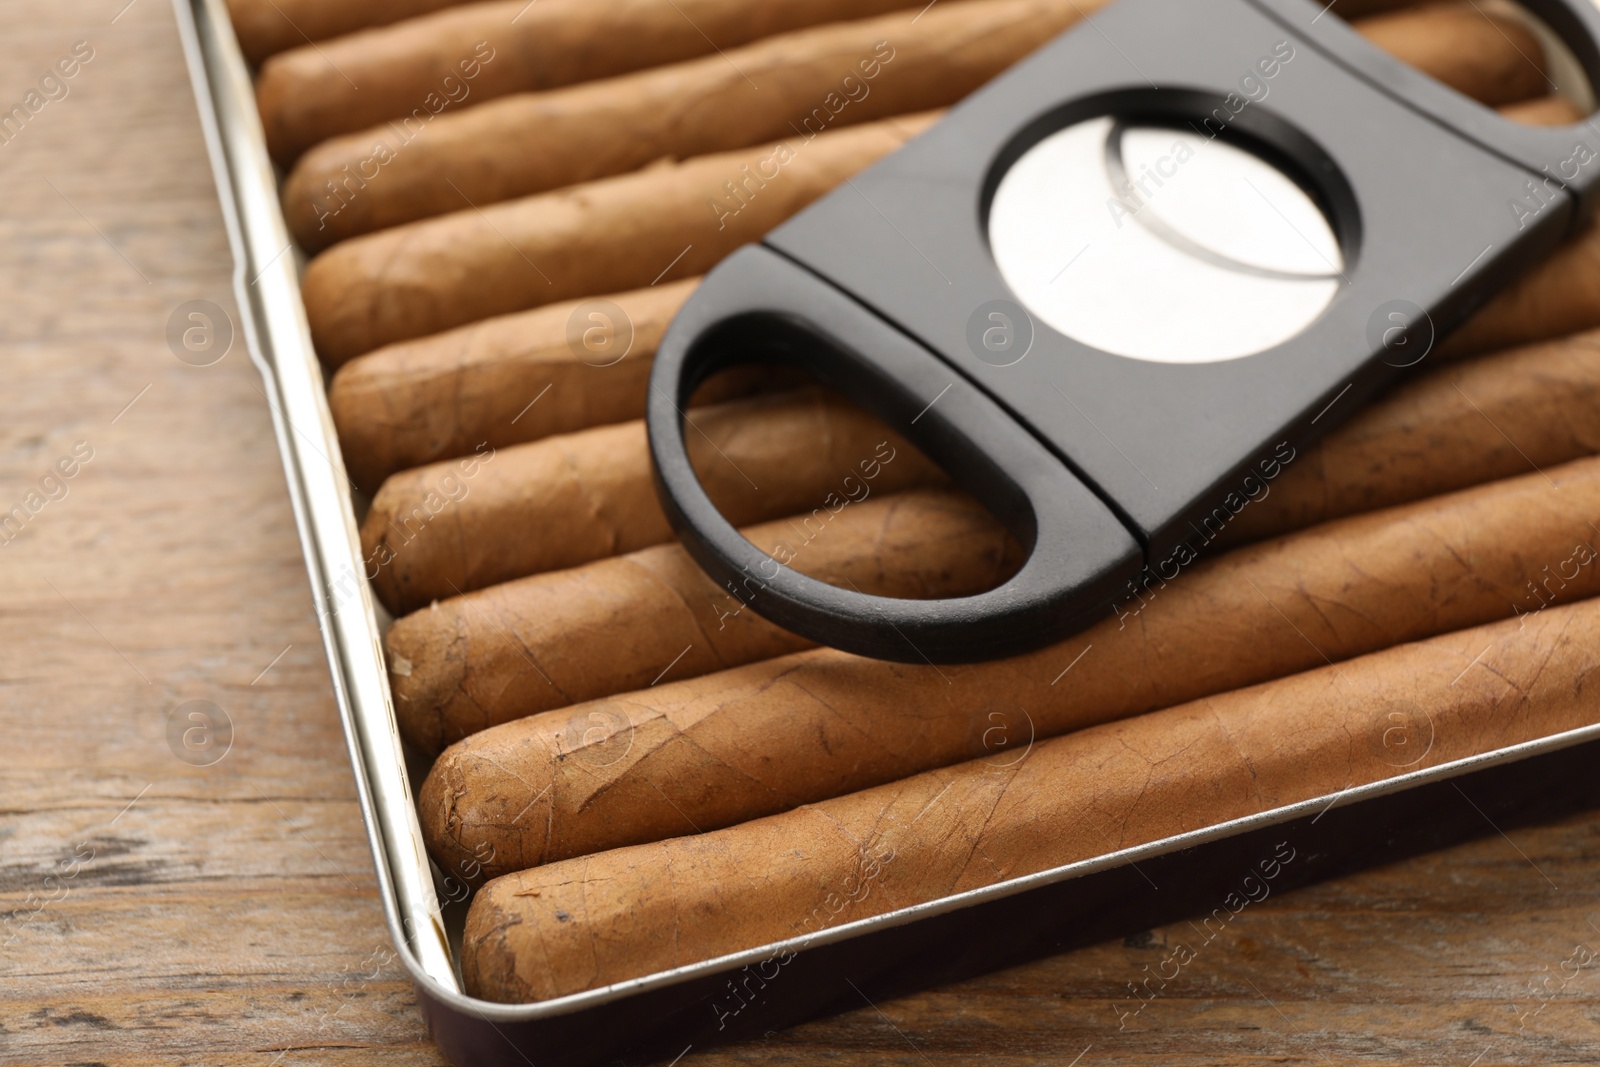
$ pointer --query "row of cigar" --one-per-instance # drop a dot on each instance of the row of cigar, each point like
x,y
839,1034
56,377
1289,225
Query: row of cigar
x,y
640,772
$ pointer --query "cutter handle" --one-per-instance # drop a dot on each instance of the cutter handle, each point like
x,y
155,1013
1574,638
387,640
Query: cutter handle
x,y
759,307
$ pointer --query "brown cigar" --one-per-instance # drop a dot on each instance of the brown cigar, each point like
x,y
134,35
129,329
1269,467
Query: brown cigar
x,y
1552,110
588,922
594,355
449,528
792,85
1492,417
465,56
1454,43
612,626
1558,297
631,622
603,237
515,378
747,742
265,27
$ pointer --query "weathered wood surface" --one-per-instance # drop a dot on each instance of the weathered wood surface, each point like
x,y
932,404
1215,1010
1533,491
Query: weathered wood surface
x,y
154,912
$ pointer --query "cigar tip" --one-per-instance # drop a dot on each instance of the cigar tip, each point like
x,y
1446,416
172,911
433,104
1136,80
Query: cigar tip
x,y
426,670
488,957
276,96
356,407
323,290
483,808
299,205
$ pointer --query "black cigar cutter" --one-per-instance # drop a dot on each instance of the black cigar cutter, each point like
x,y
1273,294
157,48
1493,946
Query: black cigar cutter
x,y
1118,290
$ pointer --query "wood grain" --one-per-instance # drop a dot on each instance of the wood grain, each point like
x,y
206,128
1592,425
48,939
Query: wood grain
x,y
229,913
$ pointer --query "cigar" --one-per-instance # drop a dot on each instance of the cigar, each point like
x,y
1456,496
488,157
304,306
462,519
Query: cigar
x,y
791,86
1491,417
449,528
594,355
1552,110
755,740
1455,44
557,369
796,84
1560,296
603,237
612,626
466,56
591,921
630,622
265,27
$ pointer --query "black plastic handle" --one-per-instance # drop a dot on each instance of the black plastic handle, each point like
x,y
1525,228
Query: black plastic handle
x,y
759,307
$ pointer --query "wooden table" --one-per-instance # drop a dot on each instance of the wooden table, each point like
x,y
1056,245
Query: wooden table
x,y
155,911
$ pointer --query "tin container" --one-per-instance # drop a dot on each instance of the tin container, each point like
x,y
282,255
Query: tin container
x,y
660,1016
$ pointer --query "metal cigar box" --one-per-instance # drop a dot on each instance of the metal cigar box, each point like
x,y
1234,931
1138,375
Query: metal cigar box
x,y
752,992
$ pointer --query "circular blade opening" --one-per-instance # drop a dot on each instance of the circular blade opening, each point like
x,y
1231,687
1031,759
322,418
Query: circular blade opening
x,y
1160,244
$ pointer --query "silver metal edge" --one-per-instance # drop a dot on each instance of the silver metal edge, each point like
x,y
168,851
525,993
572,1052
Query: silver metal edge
x,y
279,341
219,71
